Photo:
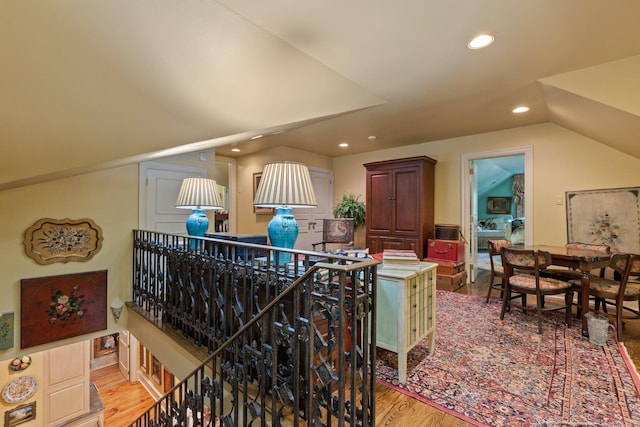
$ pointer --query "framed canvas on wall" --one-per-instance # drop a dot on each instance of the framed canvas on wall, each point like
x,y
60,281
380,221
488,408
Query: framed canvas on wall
x,y
605,217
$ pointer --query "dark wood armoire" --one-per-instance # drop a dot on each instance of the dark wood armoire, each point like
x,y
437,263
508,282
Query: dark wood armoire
x,y
400,204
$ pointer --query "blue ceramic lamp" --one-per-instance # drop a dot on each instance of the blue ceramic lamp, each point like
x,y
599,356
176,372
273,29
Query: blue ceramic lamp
x,y
198,194
283,186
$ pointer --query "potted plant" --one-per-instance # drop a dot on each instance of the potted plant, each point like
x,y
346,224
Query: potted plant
x,y
350,207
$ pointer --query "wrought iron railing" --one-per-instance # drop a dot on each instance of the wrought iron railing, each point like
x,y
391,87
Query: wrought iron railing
x,y
292,342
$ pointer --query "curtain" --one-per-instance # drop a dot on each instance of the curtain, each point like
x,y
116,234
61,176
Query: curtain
x,y
518,194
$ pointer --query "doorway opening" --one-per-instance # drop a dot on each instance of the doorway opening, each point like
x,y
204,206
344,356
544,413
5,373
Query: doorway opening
x,y
497,200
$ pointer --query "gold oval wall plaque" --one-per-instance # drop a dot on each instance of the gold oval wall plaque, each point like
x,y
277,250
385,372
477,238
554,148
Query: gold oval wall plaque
x,y
52,240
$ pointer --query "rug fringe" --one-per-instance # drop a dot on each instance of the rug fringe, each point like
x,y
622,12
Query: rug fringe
x,y
630,365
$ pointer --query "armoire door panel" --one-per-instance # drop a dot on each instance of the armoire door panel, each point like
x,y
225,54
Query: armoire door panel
x,y
379,202
407,196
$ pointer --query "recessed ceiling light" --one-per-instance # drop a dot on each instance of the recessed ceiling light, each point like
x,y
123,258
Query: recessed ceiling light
x,y
257,137
520,109
372,138
235,150
343,145
478,42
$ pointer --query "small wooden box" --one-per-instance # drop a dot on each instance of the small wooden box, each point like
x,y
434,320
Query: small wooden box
x,y
451,282
447,267
446,250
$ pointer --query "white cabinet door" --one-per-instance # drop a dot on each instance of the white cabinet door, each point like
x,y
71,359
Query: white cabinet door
x,y
66,382
123,353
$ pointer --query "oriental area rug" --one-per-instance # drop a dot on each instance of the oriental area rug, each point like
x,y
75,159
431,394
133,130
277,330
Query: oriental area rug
x,y
490,372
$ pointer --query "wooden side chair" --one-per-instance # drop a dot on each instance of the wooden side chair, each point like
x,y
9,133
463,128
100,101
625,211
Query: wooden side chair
x,y
336,230
522,269
618,290
497,270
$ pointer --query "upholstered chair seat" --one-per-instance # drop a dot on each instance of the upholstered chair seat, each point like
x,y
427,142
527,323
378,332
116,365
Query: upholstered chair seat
x,y
615,291
528,281
522,274
609,289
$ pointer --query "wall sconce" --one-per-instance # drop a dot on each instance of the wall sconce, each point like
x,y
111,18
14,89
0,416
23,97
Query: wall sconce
x,y
116,308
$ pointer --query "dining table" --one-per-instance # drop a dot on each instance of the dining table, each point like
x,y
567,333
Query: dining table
x,y
583,260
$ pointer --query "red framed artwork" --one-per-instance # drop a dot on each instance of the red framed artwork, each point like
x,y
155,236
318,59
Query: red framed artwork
x,y
59,307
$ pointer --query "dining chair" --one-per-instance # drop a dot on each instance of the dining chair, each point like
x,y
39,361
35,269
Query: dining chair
x,y
617,290
497,270
522,269
571,274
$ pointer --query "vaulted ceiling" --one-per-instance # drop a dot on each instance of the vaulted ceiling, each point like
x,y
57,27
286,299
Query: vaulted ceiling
x,y
88,84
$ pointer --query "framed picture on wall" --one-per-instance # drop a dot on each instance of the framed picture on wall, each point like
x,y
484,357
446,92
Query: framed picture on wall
x,y
256,181
169,381
156,370
6,330
105,345
20,414
499,205
609,216
53,308
144,359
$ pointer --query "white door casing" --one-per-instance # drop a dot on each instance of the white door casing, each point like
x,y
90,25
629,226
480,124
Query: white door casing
x,y
473,221
466,196
310,219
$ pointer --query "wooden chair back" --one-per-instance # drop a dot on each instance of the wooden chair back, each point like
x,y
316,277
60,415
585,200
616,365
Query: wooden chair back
x,y
495,249
525,259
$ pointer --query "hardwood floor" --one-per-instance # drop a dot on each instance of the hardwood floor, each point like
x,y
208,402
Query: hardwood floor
x,y
125,401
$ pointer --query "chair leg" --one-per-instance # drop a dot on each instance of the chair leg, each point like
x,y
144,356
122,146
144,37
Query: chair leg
x,y
619,322
490,286
578,304
604,305
568,300
539,302
505,301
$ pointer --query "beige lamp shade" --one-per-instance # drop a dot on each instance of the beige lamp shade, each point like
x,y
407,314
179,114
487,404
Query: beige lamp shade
x,y
285,184
199,193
